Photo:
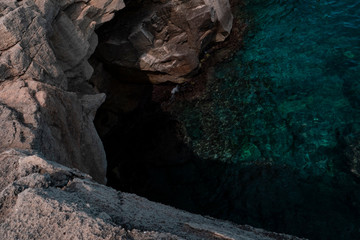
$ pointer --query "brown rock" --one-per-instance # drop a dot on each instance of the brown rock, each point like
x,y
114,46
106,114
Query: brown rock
x,y
165,38
43,57
59,124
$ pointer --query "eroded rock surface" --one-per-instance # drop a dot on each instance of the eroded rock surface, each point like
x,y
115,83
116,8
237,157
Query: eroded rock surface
x,y
64,203
46,104
165,38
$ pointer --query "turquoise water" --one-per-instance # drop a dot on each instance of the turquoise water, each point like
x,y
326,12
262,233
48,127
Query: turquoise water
x,y
284,115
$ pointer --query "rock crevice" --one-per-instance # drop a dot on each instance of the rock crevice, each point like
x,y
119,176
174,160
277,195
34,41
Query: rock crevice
x,y
47,108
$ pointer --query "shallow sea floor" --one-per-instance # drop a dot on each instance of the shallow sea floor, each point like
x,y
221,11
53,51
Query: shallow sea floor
x,y
283,118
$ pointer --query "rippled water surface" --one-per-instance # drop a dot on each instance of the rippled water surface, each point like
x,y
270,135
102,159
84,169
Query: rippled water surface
x,y
284,114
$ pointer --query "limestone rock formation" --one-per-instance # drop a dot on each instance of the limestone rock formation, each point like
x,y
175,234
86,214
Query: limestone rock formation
x,y
57,123
165,38
44,50
64,203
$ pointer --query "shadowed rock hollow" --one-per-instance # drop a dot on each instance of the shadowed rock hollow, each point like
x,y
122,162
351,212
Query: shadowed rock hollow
x,y
146,147
47,108
271,142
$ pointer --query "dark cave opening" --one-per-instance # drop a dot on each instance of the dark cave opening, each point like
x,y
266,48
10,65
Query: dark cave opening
x,y
146,145
149,154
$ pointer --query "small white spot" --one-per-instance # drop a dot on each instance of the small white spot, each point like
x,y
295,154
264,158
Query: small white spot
x,y
175,90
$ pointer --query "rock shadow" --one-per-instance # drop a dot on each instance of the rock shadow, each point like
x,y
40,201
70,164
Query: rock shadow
x,y
149,156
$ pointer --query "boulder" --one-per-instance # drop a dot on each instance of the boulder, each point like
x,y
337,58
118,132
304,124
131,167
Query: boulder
x,y
165,38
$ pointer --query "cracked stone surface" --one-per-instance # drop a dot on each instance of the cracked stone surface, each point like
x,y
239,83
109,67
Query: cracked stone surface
x,y
46,103
64,203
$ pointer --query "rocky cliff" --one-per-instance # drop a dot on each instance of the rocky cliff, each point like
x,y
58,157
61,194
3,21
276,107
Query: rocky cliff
x,y
47,109
44,50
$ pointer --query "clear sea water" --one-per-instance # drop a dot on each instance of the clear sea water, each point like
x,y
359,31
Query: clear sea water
x,y
284,115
